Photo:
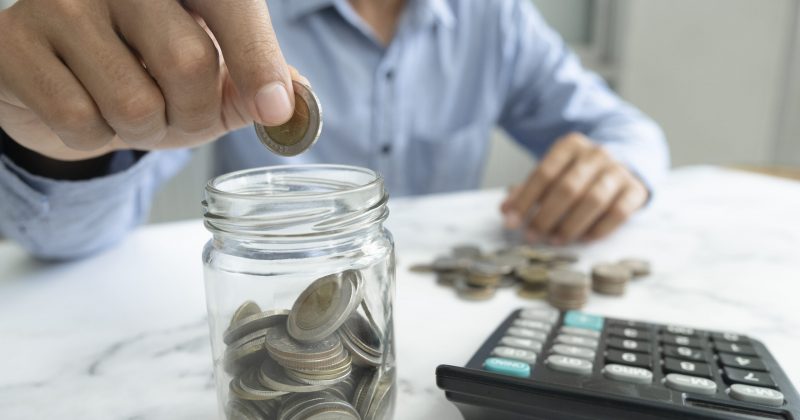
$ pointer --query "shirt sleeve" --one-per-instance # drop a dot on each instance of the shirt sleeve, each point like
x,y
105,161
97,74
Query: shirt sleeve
x,y
60,220
549,94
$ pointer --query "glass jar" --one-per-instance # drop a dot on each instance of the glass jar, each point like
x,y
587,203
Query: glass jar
x,y
299,279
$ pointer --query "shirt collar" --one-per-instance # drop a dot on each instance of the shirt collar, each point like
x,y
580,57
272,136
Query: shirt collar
x,y
439,10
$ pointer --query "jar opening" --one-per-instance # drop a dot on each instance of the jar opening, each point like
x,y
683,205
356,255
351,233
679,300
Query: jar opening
x,y
292,201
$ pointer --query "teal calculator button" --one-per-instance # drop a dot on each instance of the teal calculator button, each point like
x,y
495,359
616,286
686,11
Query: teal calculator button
x,y
581,320
507,367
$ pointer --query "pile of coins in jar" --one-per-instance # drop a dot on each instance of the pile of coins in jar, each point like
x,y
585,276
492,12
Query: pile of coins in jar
x,y
536,273
322,359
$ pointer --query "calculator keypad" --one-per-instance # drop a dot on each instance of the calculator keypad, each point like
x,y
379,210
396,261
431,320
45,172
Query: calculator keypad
x,y
683,358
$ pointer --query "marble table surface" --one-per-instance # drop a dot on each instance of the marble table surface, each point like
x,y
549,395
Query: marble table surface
x,y
124,335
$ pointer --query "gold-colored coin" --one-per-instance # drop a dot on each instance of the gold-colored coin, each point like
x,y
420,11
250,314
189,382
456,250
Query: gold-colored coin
x,y
301,131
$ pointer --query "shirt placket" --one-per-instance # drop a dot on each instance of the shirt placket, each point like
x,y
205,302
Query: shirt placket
x,y
385,111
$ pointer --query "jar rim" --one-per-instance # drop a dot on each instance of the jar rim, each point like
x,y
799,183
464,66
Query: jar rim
x,y
294,201
213,185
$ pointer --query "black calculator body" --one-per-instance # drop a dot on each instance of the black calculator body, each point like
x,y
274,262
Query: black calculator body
x,y
541,363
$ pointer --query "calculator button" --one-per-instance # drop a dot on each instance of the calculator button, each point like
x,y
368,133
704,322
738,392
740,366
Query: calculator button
x,y
756,394
742,376
575,340
522,343
574,351
681,340
629,324
687,383
532,324
507,367
628,374
730,337
580,331
527,333
686,367
628,358
680,330
742,362
548,315
737,349
581,320
569,364
628,332
630,345
526,356
685,353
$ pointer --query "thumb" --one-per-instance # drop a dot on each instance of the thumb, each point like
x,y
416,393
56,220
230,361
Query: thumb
x,y
252,55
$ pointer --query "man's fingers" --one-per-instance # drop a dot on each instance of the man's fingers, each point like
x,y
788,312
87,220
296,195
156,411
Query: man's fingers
x,y
565,192
179,55
252,55
46,86
594,202
628,202
126,95
548,170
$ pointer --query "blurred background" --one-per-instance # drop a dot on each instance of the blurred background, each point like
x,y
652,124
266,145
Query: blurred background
x,y
722,77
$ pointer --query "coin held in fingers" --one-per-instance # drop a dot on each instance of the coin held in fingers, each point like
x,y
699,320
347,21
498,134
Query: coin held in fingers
x,y
301,131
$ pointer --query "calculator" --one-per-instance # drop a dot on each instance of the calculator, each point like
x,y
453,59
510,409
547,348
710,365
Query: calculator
x,y
541,363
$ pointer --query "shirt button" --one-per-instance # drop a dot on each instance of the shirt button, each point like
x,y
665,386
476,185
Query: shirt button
x,y
389,74
386,149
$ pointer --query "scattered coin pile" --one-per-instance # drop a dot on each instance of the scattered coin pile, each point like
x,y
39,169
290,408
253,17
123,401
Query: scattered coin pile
x,y
536,272
323,359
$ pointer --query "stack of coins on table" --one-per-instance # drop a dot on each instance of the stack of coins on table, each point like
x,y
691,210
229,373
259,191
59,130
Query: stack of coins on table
x,y
537,272
324,358
611,278
568,289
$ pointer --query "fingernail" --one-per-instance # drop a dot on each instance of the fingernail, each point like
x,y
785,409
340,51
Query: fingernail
x,y
512,220
273,104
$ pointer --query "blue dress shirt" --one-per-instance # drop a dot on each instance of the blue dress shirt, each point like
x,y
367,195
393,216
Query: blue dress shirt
x,y
420,111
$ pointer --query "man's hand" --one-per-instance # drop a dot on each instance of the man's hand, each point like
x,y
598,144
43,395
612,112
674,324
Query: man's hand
x,y
81,78
576,192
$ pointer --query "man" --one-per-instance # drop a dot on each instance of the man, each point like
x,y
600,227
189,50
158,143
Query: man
x,y
98,98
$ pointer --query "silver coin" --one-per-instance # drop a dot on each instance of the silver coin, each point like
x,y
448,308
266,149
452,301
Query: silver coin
x,y
507,263
281,345
241,410
467,251
360,356
451,263
245,354
322,405
638,266
567,277
311,367
272,376
244,310
325,305
374,396
361,332
247,387
269,408
610,273
301,131
251,323
326,380
384,400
